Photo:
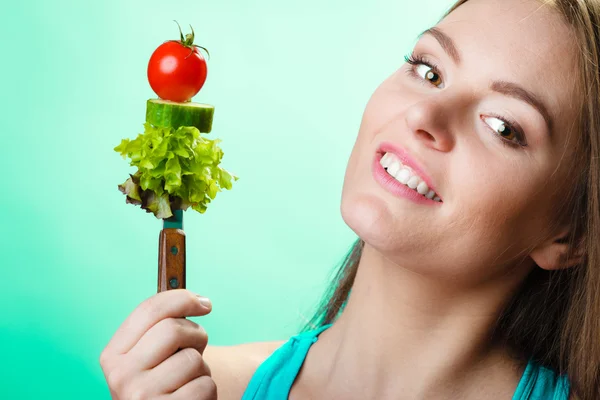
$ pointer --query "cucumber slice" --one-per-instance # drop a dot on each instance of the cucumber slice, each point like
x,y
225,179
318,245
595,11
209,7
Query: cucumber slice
x,y
169,114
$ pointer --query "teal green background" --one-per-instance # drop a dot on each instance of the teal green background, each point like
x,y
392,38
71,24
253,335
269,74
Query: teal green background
x,y
289,81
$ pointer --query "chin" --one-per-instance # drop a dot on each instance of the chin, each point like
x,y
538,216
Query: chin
x,y
370,218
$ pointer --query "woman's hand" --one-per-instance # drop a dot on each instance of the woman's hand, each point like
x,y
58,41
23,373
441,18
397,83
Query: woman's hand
x,y
142,360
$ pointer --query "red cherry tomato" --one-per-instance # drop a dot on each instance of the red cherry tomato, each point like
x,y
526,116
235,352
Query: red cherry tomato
x,y
177,70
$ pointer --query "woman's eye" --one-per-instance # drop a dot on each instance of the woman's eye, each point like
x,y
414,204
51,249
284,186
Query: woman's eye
x,y
428,73
503,129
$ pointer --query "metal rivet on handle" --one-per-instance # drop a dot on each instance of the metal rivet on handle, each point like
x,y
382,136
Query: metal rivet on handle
x,y
174,250
174,283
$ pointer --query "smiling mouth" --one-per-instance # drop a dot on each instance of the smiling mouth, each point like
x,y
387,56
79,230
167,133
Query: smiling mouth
x,y
407,176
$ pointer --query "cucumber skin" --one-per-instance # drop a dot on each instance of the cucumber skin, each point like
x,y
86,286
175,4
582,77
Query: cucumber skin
x,y
163,115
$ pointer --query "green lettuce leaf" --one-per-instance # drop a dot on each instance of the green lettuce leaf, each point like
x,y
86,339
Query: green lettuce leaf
x,y
176,169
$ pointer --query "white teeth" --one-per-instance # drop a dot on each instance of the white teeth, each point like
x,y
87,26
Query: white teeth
x,y
413,182
406,176
385,160
422,188
402,176
393,167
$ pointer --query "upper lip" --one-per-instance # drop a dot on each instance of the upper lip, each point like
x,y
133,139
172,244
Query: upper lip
x,y
408,160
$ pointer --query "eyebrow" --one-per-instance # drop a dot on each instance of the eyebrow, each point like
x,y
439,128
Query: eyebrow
x,y
517,92
506,88
445,41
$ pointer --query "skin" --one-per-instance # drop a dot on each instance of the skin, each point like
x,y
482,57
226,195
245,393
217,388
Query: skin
x,y
433,279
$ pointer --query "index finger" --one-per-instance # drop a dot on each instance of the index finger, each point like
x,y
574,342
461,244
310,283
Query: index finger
x,y
176,303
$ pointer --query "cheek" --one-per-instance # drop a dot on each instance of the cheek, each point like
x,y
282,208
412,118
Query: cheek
x,y
378,114
366,209
386,106
383,109
498,210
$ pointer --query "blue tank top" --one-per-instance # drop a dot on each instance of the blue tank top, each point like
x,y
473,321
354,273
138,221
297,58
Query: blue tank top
x,y
274,377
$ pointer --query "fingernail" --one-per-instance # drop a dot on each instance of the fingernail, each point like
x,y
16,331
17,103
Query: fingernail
x,y
205,302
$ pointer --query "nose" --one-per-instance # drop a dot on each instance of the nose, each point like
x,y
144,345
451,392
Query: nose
x,y
429,120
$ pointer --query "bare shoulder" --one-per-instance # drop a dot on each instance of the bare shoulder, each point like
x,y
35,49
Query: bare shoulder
x,y
232,367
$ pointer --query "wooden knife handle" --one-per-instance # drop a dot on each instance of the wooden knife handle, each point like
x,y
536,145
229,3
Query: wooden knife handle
x,y
171,259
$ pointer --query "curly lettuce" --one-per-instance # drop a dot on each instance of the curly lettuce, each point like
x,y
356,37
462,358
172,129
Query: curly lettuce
x,y
177,169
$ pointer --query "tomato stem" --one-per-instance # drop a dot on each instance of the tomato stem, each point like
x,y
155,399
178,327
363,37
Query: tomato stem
x,y
190,37
180,33
188,41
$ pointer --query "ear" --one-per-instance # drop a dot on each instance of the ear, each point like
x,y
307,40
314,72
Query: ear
x,y
556,253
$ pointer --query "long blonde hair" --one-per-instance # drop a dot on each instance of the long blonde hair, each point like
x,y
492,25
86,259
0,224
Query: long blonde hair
x,y
554,319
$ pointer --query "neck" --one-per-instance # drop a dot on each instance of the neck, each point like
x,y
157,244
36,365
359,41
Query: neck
x,y
402,332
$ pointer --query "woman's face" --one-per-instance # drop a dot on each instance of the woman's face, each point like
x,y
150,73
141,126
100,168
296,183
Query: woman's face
x,y
487,129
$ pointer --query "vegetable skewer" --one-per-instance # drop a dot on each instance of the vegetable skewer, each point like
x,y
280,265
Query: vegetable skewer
x,y
177,168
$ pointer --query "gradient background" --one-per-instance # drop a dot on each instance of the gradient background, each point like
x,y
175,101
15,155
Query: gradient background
x,y
289,81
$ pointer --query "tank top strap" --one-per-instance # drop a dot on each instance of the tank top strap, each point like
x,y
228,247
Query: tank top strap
x,y
541,383
275,376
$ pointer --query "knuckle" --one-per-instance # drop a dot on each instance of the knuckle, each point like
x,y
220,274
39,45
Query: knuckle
x,y
194,358
172,330
138,393
207,370
116,380
104,359
201,334
165,329
152,307
207,387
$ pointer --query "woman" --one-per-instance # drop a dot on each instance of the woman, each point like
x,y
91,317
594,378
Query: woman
x,y
473,187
